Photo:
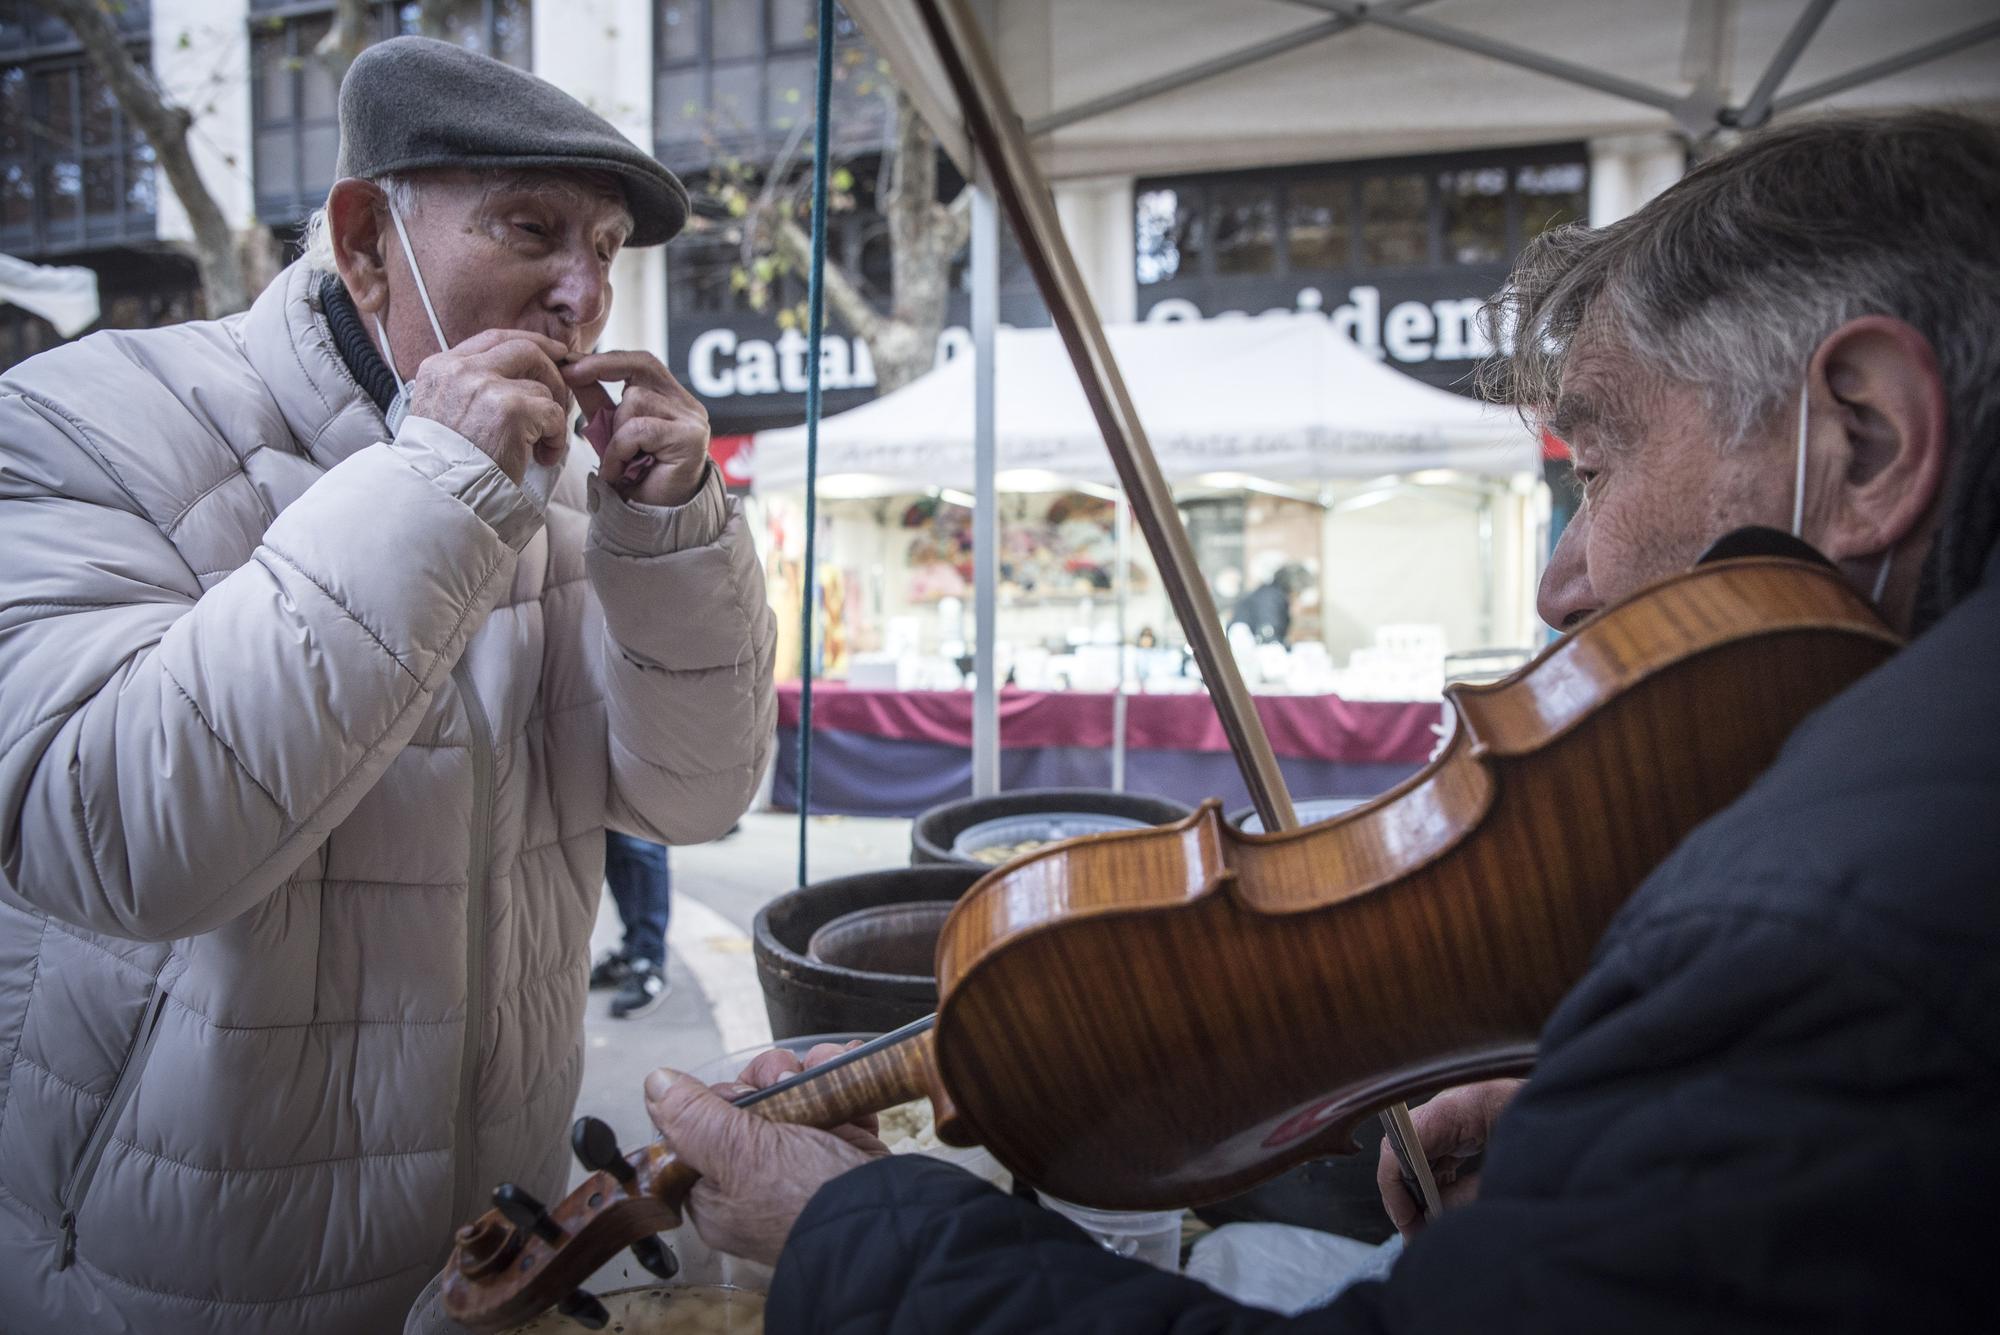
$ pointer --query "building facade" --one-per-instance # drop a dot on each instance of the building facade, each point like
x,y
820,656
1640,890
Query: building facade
x,y
1398,252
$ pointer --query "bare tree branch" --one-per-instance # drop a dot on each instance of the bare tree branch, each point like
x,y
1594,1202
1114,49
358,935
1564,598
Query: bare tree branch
x,y
345,39
924,239
165,125
842,296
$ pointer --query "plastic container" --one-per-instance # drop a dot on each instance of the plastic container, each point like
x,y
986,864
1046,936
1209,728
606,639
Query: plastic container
x,y
933,833
803,995
1046,827
1152,1236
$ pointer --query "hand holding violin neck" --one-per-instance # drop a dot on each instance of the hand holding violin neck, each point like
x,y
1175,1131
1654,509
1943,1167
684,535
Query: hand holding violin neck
x,y
519,1259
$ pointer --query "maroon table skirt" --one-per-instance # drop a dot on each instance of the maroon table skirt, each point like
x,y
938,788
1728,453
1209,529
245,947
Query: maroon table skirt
x,y
896,753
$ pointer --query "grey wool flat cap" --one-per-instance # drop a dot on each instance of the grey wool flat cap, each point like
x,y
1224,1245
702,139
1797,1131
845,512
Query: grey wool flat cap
x,y
415,103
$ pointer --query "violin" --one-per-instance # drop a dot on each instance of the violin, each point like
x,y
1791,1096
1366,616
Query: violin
x,y
1163,1017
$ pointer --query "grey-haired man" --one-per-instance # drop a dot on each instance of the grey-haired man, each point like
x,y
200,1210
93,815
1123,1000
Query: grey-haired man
x,y
324,666
1769,1105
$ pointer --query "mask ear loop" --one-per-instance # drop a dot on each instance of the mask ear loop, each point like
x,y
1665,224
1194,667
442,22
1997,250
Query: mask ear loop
x,y
423,293
1798,478
1799,503
389,356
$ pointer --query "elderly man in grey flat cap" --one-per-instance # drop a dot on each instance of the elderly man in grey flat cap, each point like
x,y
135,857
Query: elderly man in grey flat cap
x,y
325,662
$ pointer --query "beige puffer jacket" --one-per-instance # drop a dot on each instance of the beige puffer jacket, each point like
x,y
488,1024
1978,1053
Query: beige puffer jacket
x,y
307,745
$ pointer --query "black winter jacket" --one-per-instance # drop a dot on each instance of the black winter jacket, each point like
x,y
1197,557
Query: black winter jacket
x,y
1770,1105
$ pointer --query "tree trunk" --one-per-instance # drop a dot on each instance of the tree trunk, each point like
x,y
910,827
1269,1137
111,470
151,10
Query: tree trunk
x,y
165,126
924,238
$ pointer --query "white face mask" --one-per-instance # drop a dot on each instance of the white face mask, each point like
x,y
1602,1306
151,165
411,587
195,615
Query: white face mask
x,y
538,480
1799,499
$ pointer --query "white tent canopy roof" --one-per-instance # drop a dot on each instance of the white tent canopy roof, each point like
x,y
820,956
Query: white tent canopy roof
x,y
1298,81
1282,397
64,296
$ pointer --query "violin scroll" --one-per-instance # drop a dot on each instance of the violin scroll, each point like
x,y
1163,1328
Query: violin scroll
x,y
519,1259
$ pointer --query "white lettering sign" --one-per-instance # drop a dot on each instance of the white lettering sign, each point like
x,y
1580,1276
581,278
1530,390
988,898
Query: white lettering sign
x,y
1407,332
722,366
1446,330
1460,333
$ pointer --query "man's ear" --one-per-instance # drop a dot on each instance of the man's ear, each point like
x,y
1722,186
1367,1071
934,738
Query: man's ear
x,y
1883,377
355,210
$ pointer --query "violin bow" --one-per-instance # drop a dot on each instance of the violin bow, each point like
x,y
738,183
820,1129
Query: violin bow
x,y
1009,168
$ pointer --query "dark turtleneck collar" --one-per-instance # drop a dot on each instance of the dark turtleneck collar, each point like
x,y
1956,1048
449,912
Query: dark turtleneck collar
x,y
350,339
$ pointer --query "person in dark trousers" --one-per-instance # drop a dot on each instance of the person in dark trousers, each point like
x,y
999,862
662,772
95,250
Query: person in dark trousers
x,y
642,888
1769,1103
1267,609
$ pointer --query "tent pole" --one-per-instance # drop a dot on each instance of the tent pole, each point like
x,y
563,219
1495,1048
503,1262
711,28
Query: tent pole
x,y
1757,110
1123,586
985,508
1507,53
1017,180
1896,64
1207,69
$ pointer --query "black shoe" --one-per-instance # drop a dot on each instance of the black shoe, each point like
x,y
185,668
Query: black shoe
x,y
644,988
609,971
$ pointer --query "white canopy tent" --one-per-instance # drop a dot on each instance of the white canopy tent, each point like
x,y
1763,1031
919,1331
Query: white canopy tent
x,y
1282,397
1251,83
65,296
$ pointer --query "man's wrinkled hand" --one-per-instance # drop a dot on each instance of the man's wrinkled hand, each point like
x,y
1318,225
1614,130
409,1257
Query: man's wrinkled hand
x,y
654,418
756,1176
1451,1129
501,390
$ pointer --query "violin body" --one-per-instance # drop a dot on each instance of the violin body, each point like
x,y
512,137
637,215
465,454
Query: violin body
x,y
1160,1018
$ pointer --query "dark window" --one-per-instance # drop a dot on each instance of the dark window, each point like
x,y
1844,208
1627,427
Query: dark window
x,y
704,276
1319,224
1246,228
1474,202
28,30
792,22
735,29
741,73
73,173
1170,234
294,99
1551,195
679,31
788,96
1347,219
1395,221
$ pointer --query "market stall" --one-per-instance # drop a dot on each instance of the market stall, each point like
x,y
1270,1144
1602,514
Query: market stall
x,y
1281,397
1407,518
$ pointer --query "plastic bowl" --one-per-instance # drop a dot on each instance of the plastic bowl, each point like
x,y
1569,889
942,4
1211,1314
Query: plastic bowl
x,y
1045,827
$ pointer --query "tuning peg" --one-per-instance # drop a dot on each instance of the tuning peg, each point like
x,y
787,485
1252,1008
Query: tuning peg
x,y
525,1212
596,1147
583,1308
657,1257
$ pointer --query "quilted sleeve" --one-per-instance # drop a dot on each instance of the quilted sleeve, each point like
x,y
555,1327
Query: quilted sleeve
x,y
686,661
169,755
